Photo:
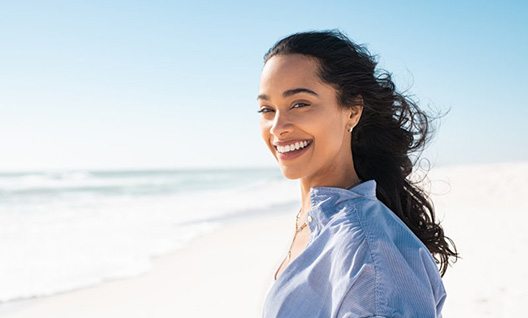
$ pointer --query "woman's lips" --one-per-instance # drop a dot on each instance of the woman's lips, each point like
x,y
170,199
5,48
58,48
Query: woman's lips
x,y
294,154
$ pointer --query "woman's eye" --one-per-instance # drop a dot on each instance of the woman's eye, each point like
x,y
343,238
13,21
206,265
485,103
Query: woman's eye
x,y
303,104
264,110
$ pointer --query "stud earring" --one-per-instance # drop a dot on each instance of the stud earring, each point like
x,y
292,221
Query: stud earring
x,y
351,128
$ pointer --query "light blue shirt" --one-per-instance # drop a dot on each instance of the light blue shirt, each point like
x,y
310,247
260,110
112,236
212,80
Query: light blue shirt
x,y
361,261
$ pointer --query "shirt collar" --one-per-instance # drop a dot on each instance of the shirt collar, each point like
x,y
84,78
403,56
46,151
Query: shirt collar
x,y
325,201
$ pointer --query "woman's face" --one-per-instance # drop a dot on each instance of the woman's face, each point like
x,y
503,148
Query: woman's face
x,y
296,107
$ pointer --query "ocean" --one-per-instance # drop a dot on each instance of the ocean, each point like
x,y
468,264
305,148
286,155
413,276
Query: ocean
x,y
64,230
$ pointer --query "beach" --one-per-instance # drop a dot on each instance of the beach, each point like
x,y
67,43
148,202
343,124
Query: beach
x,y
227,271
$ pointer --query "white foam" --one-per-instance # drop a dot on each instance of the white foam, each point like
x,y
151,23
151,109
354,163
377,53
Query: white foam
x,y
55,243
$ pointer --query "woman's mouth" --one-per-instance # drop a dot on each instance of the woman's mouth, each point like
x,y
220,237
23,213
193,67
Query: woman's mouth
x,y
288,153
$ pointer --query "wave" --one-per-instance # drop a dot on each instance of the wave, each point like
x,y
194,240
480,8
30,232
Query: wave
x,y
68,230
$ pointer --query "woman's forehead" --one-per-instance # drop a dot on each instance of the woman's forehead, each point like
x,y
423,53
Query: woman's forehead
x,y
290,65
286,71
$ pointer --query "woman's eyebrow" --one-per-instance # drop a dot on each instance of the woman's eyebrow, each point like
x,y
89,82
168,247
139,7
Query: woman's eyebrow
x,y
290,92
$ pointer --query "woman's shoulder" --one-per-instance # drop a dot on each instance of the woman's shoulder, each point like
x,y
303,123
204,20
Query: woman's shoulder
x,y
372,225
400,270
376,223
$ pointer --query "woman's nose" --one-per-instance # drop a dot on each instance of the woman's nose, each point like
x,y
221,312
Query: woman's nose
x,y
281,124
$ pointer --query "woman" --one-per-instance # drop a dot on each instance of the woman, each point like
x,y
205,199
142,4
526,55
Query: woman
x,y
366,242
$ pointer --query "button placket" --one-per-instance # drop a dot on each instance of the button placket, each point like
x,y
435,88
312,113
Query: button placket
x,y
312,224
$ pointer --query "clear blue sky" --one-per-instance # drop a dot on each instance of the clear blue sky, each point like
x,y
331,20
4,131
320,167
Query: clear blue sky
x,y
161,84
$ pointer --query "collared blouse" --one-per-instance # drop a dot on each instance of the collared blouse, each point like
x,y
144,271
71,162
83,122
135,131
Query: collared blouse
x,y
361,261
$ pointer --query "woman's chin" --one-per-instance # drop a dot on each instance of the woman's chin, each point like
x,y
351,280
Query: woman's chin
x,y
291,173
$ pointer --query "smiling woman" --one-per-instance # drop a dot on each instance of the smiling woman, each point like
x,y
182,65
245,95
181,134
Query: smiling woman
x,y
287,82
369,241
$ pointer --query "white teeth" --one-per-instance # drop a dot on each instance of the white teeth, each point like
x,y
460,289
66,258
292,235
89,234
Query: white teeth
x,y
292,147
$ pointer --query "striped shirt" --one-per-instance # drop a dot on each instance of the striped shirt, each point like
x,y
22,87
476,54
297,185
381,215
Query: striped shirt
x,y
361,261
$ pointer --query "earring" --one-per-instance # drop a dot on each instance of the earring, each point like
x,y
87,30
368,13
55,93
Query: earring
x,y
351,128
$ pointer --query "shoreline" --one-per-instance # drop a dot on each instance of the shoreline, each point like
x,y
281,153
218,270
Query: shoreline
x,y
226,272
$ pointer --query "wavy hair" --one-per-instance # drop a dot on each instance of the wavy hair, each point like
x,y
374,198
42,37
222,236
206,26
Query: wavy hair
x,y
392,127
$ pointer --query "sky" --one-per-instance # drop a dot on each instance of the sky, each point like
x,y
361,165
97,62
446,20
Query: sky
x,y
170,84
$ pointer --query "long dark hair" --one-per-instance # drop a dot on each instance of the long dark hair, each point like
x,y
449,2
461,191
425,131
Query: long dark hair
x,y
391,128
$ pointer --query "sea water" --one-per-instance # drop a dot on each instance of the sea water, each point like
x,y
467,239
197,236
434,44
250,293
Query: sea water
x,y
64,230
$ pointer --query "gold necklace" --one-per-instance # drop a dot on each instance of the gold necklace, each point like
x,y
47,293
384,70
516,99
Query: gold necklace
x,y
297,230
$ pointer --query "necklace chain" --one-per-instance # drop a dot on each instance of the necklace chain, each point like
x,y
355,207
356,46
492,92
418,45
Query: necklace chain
x,y
297,230
297,227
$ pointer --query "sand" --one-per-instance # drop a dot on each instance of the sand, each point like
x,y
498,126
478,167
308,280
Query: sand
x,y
227,273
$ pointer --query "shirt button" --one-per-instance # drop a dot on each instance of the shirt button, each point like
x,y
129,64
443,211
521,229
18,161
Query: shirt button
x,y
309,218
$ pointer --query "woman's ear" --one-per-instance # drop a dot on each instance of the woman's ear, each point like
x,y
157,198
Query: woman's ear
x,y
356,109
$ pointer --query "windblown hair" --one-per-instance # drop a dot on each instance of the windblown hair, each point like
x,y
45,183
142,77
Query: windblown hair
x,y
391,127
